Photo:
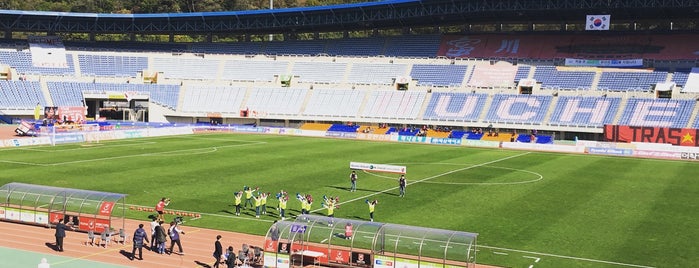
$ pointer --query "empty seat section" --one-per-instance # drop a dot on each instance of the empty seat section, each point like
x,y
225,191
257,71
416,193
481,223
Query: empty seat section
x,y
552,78
522,72
584,111
21,95
110,65
22,62
657,112
213,99
276,101
228,48
375,73
455,106
630,81
371,46
315,126
319,72
393,104
186,68
511,108
253,70
295,47
413,45
334,103
438,75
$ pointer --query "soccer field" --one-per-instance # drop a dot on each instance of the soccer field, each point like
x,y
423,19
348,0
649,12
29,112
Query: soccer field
x,y
531,209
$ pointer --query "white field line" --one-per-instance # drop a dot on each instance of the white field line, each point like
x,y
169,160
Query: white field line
x,y
429,178
540,177
167,153
566,257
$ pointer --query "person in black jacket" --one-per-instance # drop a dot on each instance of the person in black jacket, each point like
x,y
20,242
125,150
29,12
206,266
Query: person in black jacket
x,y
61,233
138,236
218,251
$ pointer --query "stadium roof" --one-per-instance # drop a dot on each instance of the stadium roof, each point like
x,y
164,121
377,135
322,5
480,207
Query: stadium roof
x,y
360,16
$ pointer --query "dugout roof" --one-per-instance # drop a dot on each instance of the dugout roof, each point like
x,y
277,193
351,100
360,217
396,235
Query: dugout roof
x,y
385,239
63,201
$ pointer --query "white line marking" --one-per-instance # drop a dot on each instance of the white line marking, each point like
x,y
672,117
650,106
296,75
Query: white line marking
x,y
540,177
567,257
429,178
323,241
531,266
499,253
530,257
167,153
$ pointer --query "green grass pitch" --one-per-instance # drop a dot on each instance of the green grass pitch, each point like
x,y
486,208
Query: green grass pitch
x,y
529,208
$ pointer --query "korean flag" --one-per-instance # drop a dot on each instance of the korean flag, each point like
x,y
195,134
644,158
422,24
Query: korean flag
x,y
597,22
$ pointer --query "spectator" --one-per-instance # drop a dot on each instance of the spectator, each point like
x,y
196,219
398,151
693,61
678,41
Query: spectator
x,y
161,237
230,257
353,181
175,232
138,236
218,251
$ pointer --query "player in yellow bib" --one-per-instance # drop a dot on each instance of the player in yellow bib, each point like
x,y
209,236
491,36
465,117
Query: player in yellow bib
x,y
282,205
263,203
248,195
258,203
238,199
372,206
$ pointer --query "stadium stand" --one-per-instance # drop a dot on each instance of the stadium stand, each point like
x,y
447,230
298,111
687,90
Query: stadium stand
x,y
275,101
522,72
355,46
319,72
455,106
316,126
22,61
551,78
680,76
208,99
110,65
584,111
508,108
186,68
438,75
412,45
300,47
253,70
19,95
376,73
630,81
657,112
393,104
334,103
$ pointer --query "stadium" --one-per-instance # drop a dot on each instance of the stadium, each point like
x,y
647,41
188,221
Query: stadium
x,y
560,133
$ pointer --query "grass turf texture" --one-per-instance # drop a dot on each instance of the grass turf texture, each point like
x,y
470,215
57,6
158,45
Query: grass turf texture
x,y
544,205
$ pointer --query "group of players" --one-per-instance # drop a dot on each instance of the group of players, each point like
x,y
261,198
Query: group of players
x,y
258,200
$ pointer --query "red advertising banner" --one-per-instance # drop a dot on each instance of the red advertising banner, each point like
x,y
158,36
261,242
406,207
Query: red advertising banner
x,y
55,217
106,208
270,246
674,136
74,114
339,256
98,225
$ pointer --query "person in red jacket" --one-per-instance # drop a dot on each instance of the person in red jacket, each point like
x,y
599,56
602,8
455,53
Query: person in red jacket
x,y
160,208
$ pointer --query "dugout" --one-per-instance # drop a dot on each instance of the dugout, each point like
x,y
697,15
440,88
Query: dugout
x,y
320,240
45,205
